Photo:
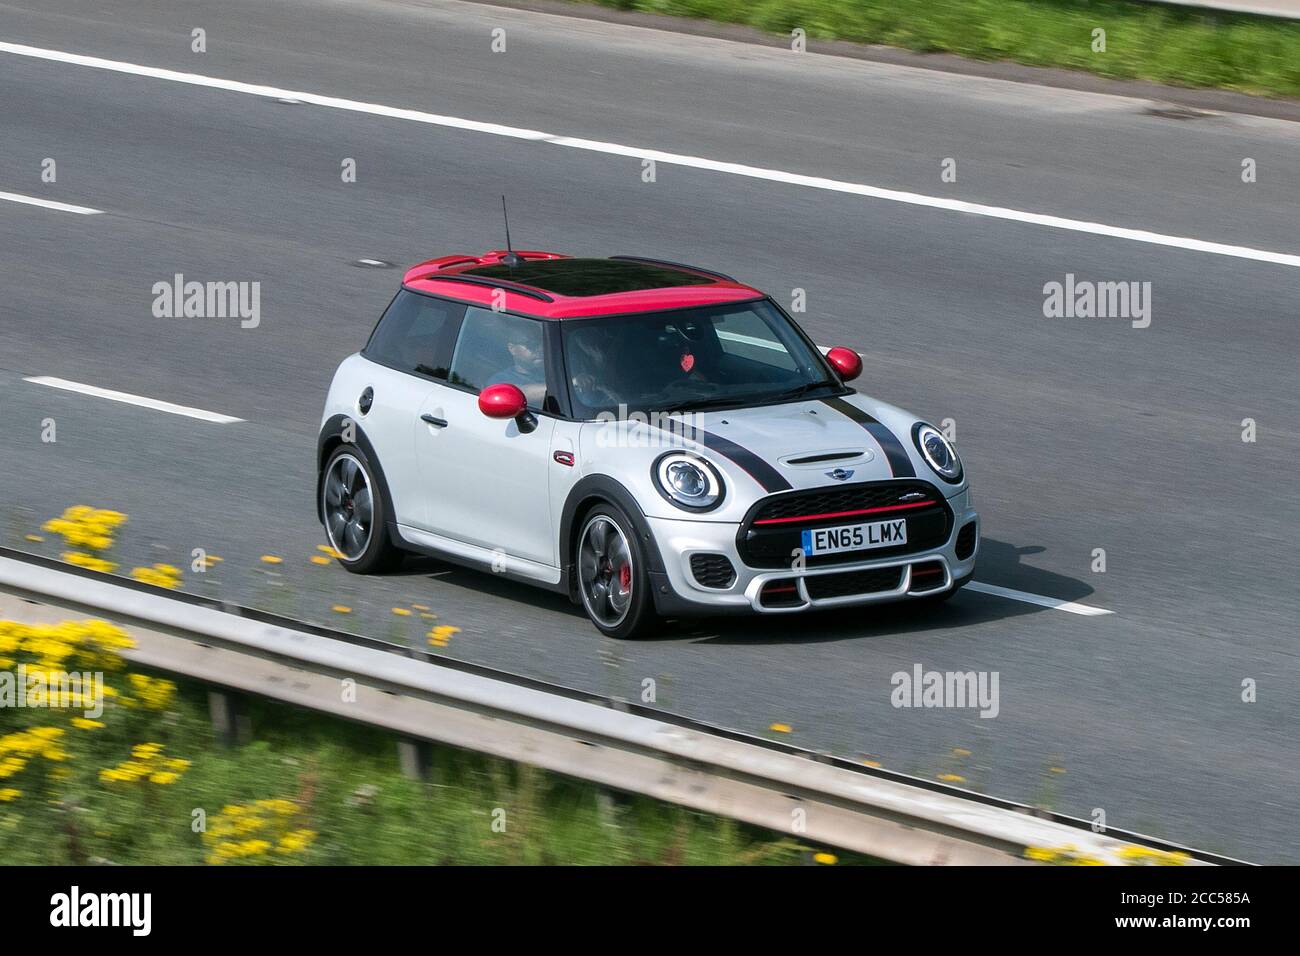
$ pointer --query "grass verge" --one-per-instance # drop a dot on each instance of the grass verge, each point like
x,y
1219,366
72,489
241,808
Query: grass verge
x,y
1146,41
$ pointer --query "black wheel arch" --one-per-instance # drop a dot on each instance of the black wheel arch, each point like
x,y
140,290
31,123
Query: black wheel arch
x,y
331,437
583,496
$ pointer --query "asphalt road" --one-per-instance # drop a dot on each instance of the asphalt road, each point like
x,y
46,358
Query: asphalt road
x,y
1078,433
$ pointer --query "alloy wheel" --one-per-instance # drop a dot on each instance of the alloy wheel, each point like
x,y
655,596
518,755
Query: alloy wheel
x,y
349,507
605,571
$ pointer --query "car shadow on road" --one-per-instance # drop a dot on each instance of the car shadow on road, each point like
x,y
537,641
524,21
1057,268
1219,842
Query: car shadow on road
x,y
999,563
485,583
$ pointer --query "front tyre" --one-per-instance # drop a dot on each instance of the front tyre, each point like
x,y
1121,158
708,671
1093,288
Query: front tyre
x,y
613,581
356,514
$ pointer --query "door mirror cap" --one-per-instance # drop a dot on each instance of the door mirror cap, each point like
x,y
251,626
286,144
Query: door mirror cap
x,y
846,362
502,401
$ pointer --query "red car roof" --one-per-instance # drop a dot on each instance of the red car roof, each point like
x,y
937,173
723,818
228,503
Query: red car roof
x,y
552,292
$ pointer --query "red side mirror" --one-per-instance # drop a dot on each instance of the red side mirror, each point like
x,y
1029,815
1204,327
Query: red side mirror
x,y
846,362
502,401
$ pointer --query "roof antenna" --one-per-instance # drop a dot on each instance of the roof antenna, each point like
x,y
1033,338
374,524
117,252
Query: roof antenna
x,y
509,259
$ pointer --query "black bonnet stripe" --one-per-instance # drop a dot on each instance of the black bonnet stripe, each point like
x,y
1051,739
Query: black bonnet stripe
x,y
899,461
758,469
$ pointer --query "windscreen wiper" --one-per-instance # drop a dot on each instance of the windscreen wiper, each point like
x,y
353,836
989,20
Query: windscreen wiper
x,y
706,403
800,390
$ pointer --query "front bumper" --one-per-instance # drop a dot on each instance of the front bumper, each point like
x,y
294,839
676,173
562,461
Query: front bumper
x,y
678,593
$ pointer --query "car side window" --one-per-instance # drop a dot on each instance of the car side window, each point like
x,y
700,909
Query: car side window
x,y
496,347
412,334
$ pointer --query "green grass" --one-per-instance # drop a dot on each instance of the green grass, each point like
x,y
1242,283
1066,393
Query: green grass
x,y
345,782
1181,47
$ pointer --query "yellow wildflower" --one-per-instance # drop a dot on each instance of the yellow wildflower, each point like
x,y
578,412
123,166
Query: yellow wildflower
x,y
296,841
147,763
441,634
159,575
89,561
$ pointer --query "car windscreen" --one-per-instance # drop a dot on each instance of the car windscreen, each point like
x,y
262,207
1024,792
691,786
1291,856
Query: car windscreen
x,y
725,356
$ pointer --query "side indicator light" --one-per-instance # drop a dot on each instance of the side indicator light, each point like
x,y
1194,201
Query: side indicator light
x,y
564,458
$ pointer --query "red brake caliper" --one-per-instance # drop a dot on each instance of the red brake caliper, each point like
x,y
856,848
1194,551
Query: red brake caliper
x,y
625,577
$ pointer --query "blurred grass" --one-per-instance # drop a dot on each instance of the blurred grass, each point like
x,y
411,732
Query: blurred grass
x,y
345,781
1176,46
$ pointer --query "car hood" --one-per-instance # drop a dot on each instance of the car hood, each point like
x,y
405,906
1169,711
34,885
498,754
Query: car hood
x,y
766,450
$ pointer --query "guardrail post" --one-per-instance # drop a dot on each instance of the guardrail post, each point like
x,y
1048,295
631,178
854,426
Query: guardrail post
x,y
606,808
230,720
415,758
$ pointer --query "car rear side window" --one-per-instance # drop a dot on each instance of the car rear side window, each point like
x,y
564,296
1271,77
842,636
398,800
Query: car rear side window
x,y
413,334
495,348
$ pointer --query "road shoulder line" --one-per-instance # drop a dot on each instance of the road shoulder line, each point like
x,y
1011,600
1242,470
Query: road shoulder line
x,y
642,153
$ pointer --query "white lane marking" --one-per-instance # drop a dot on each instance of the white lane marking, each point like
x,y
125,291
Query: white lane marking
x,y
675,159
50,204
1059,605
130,399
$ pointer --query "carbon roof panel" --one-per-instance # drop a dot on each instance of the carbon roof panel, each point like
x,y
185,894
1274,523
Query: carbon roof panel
x,y
588,277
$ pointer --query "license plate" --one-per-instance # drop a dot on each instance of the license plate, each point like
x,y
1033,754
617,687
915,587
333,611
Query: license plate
x,y
855,537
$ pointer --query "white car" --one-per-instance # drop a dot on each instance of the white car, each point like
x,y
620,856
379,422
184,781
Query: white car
x,y
648,438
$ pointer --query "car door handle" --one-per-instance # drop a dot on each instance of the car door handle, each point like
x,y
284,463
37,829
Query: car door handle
x,y
435,422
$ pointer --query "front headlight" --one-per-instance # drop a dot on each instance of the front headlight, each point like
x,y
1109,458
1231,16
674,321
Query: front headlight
x,y
937,452
688,481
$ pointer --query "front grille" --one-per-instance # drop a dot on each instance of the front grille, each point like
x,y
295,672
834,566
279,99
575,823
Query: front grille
x,y
712,570
772,531
838,498
966,541
821,586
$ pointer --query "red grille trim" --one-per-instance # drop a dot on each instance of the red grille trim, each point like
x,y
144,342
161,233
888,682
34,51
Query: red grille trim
x,y
844,514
